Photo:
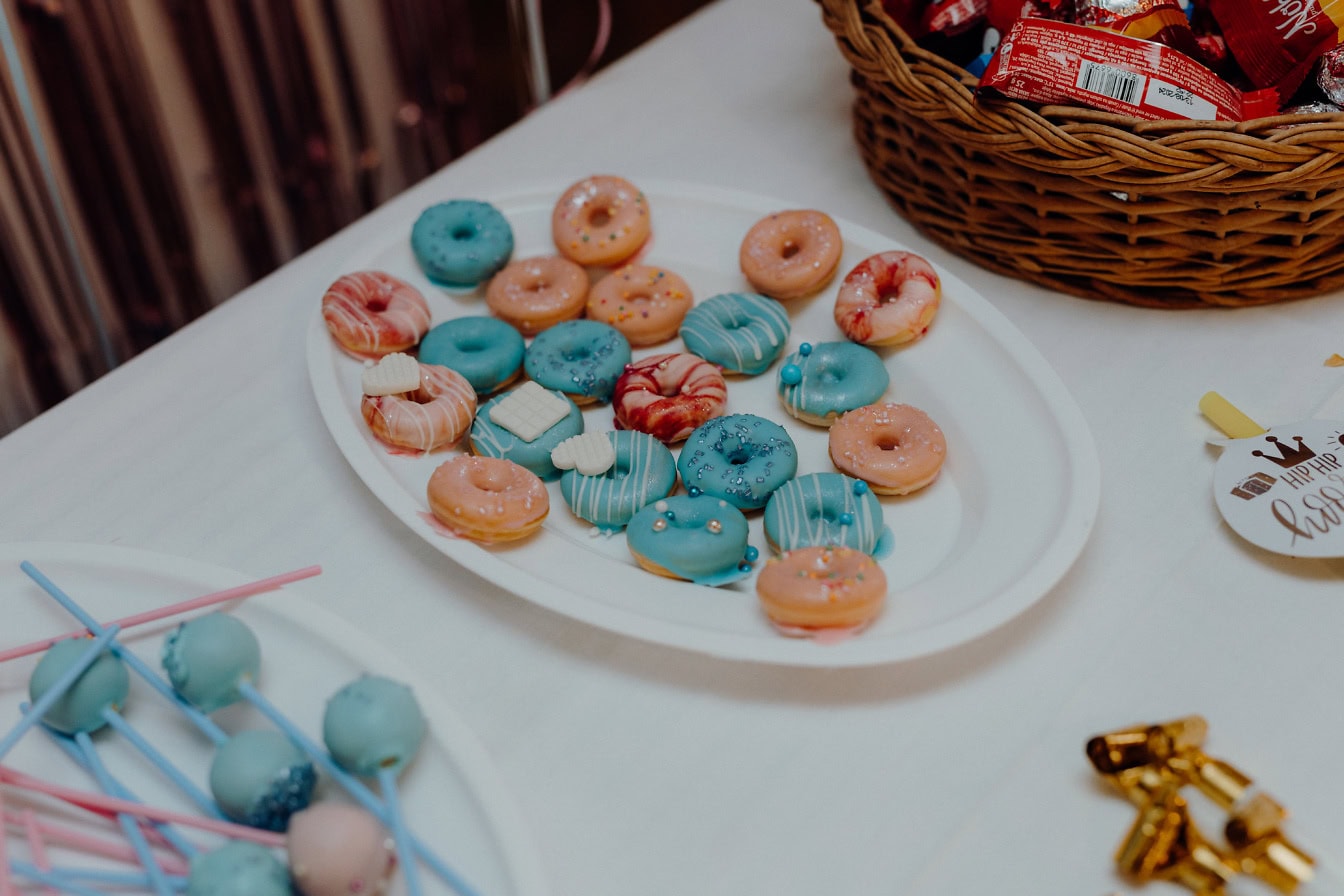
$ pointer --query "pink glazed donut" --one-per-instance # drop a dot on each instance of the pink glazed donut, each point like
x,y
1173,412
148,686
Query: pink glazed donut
x,y
791,254
371,314
487,499
826,587
436,414
533,294
888,299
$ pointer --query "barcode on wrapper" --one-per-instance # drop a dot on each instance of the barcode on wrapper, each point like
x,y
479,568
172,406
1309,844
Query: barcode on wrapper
x,y
1116,83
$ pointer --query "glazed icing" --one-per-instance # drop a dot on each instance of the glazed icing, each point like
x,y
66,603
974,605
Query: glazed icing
x,y
259,778
460,243
373,723
700,538
740,332
105,683
829,378
578,357
207,657
819,509
741,458
485,350
489,439
644,472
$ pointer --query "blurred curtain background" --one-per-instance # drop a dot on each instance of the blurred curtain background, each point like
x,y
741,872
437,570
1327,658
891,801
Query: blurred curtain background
x,y
157,156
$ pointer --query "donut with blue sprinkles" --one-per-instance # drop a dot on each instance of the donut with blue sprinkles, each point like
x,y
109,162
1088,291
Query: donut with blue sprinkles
x,y
581,358
461,243
741,458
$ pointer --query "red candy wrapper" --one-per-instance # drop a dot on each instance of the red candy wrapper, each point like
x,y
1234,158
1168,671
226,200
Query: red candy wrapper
x,y
1159,20
1276,42
1057,62
952,17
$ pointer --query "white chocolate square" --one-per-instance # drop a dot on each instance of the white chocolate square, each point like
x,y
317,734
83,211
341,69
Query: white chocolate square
x,y
392,375
529,411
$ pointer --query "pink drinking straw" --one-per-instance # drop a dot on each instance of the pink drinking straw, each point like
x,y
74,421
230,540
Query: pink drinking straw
x,y
93,845
5,888
186,606
107,805
36,845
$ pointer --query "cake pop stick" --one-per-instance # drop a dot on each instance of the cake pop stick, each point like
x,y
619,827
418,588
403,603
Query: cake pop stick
x,y
129,826
215,658
57,688
258,777
108,805
271,583
50,879
64,877
162,763
373,728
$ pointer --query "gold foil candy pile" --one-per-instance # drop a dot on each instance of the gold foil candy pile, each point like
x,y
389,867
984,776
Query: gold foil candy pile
x,y
1150,764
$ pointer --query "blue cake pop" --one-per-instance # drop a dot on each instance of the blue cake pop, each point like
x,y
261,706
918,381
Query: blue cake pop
x,y
105,683
238,868
373,724
260,778
207,657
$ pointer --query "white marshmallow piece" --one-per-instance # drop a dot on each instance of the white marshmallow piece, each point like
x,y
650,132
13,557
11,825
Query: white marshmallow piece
x,y
529,411
392,375
591,453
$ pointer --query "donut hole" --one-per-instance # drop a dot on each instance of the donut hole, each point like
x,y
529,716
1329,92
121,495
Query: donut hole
x,y
491,479
888,442
378,304
462,233
789,249
578,353
468,346
599,217
743,454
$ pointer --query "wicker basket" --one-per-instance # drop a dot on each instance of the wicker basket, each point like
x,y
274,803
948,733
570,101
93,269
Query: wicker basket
x,y
1171,214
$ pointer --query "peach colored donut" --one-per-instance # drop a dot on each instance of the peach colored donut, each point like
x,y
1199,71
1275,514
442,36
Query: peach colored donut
x,y
601,220
895,448
647,304
825,587
792,254
371,314
436,414
535,293
888,299
487,499
669,395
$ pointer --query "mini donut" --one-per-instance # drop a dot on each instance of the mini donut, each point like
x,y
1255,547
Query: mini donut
x,y
820,382
487,499
489,439
462,242
739,331
536,293
822,588
371,314
698,538
741,458
821,509
434,415
895,448
601,220
668,395
581,358
888,299
643,472
792,254
488,352
645,303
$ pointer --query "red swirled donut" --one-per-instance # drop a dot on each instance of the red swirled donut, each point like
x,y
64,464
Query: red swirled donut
x,y
669,395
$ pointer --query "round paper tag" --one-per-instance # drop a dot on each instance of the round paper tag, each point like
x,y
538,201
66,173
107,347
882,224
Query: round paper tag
x,y
1284,490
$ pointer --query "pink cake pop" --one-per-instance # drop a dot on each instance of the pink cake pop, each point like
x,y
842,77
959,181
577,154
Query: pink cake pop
x,y
336,849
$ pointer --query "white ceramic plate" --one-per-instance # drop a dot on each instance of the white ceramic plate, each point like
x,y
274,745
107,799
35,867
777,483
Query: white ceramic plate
x,y
1009,514
451,796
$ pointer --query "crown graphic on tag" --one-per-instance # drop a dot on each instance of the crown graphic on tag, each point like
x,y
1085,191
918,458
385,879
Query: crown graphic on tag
x,y
1288,456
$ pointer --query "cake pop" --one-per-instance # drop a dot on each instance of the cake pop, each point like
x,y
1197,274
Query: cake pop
x,y
336,849
260,778
238,869
207,657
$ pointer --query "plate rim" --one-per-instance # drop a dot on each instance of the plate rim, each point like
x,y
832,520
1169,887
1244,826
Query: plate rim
x,y
517,847
1076,520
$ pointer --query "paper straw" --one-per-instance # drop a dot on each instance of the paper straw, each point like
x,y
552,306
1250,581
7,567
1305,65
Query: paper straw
x,y
202,800
5,888
351,785
128,823
36,845
49,879
57,689
105,805
48,832
387,779
261,585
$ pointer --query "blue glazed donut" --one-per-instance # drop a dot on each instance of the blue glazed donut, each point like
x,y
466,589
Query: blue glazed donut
x,y
644,472
820,382
485,350
581,358
821,509
741,458
489,439
741,332
699,538
103,684
462,242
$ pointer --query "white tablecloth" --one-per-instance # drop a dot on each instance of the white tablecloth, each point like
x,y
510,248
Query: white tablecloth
x,y
644,769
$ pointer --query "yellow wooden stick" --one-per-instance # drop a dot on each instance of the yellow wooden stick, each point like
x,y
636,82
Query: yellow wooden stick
x,y
1224,415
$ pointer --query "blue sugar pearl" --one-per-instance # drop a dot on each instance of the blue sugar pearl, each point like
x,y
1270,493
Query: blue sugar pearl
x,y
790,374
671,515
693,491
846,519
752,553
805,349
860,486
